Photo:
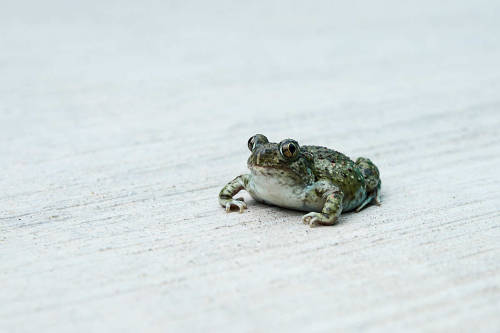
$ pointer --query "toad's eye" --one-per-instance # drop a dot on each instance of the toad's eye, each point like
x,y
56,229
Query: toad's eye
x,y
289,148
251,142
256,140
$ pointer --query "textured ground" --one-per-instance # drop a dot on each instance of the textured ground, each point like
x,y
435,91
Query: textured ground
x,y
120,122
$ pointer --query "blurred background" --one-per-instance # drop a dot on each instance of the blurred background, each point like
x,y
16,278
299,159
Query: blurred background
x,y
121,120
274,66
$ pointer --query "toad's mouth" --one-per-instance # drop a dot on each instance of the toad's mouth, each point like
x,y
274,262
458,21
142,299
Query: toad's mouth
x,y
273,171
263,166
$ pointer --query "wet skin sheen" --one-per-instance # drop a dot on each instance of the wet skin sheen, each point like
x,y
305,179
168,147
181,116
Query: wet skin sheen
x,y
314,179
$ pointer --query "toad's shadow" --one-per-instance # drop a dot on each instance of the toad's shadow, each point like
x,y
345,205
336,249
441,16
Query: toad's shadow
x,y
285,213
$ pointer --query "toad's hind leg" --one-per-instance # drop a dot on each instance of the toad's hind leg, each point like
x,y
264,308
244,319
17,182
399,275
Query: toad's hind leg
x,y
372,180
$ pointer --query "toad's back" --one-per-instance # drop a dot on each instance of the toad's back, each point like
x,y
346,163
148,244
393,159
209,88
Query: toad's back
x,y
348,175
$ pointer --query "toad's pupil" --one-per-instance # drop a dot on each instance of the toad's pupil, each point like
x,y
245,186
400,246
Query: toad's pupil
x,y
292,149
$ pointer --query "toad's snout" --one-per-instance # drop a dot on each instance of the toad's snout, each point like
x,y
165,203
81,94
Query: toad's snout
x,y
263,156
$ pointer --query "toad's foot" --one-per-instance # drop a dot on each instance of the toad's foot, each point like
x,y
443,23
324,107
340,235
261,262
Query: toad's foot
x,y
226,194
313,219
332,207
238,203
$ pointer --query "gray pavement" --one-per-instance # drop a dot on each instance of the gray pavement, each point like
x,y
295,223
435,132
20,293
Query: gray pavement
x,y
121,121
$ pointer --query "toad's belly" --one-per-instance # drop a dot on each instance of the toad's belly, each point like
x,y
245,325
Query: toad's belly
x,y
279,193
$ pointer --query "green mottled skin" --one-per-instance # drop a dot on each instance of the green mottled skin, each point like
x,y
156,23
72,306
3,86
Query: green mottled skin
x,y
313,178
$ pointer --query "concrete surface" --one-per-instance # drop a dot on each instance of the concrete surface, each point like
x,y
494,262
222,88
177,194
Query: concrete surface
x,y
120,121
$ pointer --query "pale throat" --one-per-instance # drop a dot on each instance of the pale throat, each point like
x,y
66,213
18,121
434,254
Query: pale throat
x,y
277,187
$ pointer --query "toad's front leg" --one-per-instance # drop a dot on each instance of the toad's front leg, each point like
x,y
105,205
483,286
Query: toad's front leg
x,y
332,208
226,194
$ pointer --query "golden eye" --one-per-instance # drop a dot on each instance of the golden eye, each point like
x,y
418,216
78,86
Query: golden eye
x,y
289,149
257,139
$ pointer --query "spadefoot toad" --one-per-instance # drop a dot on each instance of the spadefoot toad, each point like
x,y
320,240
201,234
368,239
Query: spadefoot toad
x,y
315,179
